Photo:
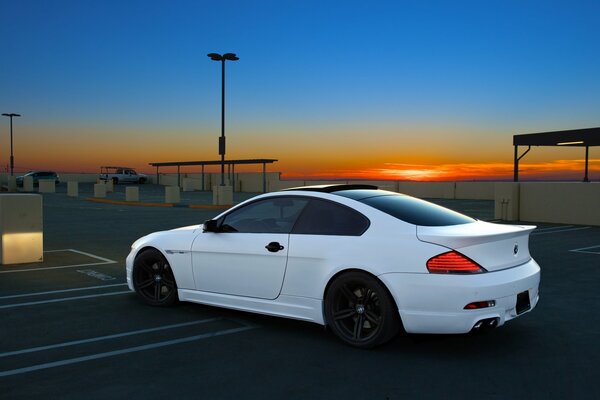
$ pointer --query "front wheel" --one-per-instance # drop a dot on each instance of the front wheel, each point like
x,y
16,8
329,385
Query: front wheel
x,y
360,311
153,279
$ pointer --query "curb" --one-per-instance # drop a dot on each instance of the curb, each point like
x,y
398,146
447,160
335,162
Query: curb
x,y
148,204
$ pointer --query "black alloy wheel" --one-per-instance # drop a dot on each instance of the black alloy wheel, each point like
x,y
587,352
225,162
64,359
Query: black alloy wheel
x,y
153,279
360,311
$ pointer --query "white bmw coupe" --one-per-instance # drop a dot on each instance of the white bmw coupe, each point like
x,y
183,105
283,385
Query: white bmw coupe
x,y
363,261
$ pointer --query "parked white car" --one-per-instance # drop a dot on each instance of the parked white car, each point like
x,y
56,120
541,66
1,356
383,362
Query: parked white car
x,y
363,261
122,175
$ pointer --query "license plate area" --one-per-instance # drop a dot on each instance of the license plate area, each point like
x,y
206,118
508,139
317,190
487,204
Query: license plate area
x,y
523,303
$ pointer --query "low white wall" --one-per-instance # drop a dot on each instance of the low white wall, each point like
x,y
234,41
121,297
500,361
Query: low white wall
x,y
560,202
474,190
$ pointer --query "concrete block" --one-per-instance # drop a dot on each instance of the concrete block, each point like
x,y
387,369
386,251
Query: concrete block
x,y
72,188
172,194
21,228
132,193
507,201
188,185
99,190
222,195
28,184
47,186
12,183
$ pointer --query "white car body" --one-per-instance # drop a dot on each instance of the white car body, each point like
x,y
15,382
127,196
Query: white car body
x,y
233,270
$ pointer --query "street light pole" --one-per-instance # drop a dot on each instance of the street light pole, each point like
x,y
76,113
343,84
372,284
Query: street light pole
x,y
222,58
12,159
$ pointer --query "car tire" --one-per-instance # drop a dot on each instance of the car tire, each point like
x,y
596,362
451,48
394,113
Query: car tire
x,y
142,181
153,279
360,310
115,181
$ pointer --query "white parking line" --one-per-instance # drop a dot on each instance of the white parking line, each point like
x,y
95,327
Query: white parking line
x,y
586,250
14,296
101,259
91,357
35,303
107,337
534,233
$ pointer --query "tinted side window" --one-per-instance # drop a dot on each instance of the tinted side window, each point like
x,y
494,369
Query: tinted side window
x,y
265,216
321,217
416,211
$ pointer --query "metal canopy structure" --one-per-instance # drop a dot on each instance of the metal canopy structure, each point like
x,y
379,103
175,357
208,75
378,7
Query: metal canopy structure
x,y
230,167
571,138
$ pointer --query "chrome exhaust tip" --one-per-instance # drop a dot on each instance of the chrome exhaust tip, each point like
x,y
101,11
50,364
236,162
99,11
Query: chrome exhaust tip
x,y
485,324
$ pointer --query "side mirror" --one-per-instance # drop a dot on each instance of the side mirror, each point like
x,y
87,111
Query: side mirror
x,y
211,226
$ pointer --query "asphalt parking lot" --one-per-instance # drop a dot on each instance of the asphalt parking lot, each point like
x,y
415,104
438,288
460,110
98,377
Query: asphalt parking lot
x,y
69,328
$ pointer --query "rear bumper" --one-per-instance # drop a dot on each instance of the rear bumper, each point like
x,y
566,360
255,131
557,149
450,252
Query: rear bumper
x,y
432,303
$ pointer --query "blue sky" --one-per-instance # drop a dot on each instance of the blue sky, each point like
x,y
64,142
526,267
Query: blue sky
x,y
472,70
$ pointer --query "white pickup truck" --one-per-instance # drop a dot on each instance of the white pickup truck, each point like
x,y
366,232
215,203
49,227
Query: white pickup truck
x,y
122,175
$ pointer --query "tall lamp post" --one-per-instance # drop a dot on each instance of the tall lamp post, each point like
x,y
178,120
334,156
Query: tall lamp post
x,y
12,159
223,58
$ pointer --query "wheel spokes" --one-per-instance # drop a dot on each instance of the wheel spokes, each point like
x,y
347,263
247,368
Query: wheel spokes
x,y
372,317
358,326
157,288
343,314
146,283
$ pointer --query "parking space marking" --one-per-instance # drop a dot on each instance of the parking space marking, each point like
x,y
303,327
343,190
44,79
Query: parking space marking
x,y
107,337
35,303
102,260
151,346
587,250
553,228
95,274
534,233
14,296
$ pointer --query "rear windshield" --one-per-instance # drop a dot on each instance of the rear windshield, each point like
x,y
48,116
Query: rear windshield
x,y
416,211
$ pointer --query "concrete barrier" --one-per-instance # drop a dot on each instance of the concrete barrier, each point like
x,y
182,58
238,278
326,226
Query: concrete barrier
x,y
12,183
28,184
506,201
21,228
132,193
560,202
432,190
222,195
172,194
191,184
47,186
73,189
110,186
475,190
100,190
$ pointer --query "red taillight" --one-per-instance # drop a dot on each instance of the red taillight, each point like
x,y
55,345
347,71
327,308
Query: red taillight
x,y
453,262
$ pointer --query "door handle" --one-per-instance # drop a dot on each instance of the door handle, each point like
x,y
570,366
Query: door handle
x,y
274,247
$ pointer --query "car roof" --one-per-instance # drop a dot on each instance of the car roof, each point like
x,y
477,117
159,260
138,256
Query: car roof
x,y
332,188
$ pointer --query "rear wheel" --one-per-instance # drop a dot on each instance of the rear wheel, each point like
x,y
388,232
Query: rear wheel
x,y
153,279
115,180
142,180
360,311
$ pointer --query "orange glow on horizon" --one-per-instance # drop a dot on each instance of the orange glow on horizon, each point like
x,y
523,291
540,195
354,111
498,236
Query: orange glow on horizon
x,y
559,169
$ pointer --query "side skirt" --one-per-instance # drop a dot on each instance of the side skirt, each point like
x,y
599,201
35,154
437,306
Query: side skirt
x,y
302,308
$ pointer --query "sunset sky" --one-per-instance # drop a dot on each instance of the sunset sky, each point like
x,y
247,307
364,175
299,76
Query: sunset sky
x,y
418,90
